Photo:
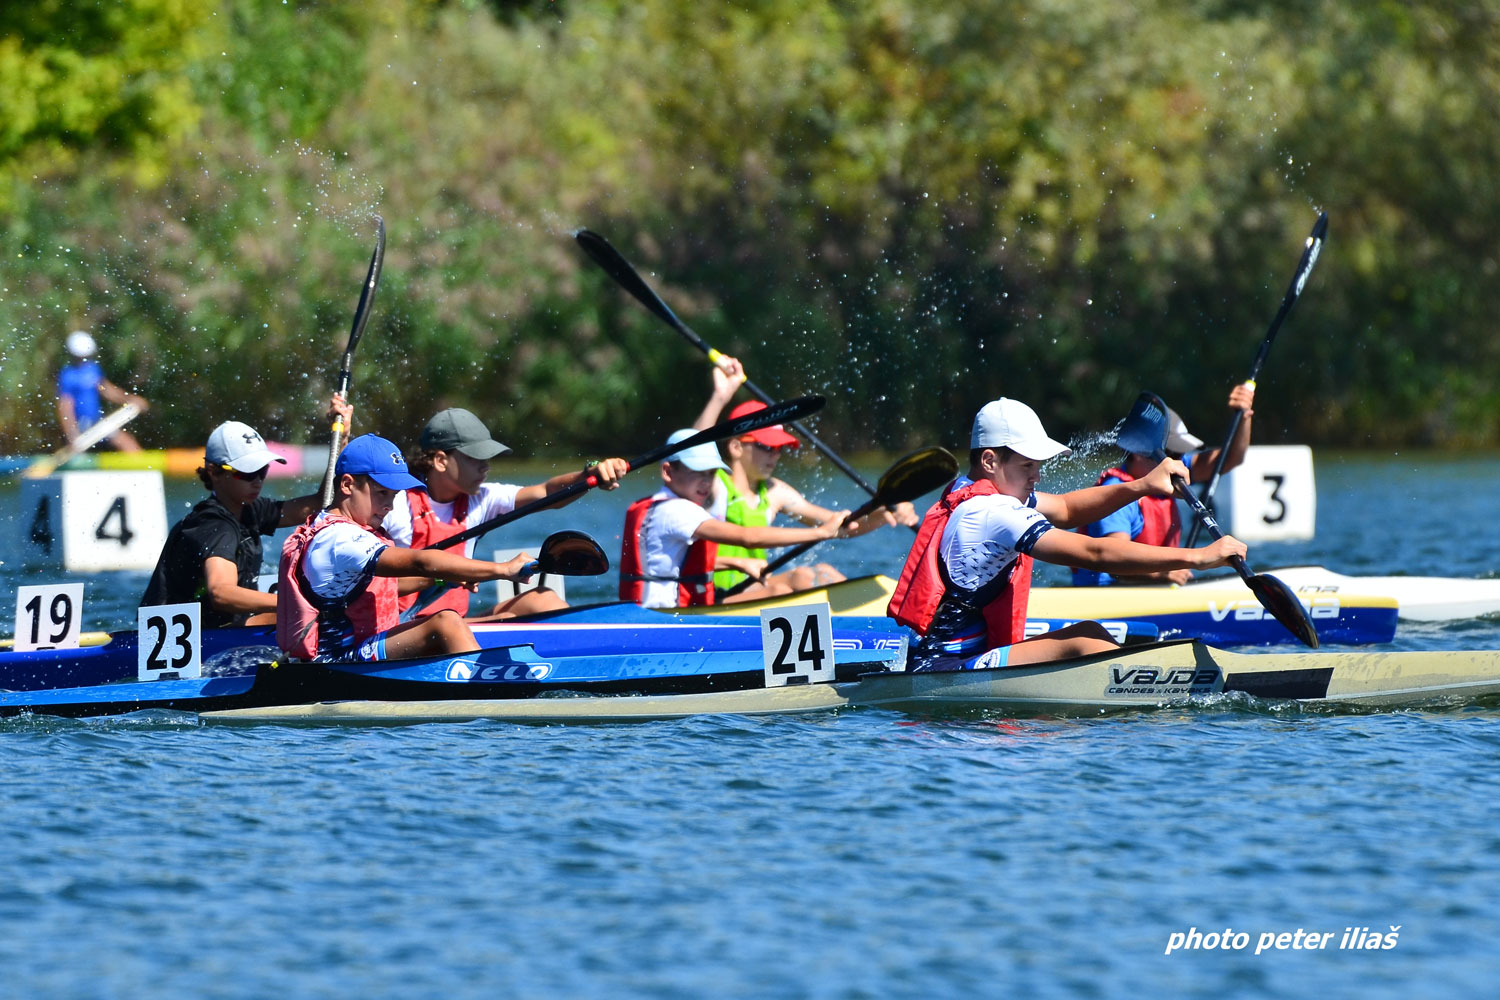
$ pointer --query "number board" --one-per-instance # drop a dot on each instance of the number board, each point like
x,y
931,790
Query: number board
x,y
797,643
1271,497
93,521
48,616
169,639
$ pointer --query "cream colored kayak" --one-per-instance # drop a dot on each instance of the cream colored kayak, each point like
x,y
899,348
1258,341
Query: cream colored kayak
x,y
1223,611
1170,673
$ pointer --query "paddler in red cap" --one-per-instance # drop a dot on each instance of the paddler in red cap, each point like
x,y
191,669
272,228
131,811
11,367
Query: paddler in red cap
x,y
747,493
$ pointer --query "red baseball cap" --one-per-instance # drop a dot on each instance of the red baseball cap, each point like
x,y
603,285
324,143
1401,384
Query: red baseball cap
x,y
774,436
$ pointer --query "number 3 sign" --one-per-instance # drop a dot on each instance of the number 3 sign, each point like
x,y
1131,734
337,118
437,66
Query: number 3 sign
x,y
168,637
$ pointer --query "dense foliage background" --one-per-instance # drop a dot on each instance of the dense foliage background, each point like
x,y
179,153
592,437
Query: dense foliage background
x,y
910,205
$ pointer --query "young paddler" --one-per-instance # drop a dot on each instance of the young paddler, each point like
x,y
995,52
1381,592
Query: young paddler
x,y
667,555
456,449
213,555
747,493
965,584
340,574
1154,520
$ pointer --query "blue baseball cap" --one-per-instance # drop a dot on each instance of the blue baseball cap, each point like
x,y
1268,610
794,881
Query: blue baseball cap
x,y
372,455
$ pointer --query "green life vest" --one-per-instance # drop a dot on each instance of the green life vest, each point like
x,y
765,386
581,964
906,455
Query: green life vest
x,y
739,510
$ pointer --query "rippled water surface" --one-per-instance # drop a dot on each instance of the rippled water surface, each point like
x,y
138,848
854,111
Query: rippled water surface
x,y
859,854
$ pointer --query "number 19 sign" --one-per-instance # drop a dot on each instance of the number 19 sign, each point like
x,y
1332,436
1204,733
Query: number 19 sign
x,y
168,637
47,617
798,644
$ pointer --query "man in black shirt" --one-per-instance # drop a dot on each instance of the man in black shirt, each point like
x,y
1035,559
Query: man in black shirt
x,y
213,555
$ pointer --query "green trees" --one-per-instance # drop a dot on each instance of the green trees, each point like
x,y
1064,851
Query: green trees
x,y
911,207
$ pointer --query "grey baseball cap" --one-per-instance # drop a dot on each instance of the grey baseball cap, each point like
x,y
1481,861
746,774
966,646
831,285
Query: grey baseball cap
x,y
459,430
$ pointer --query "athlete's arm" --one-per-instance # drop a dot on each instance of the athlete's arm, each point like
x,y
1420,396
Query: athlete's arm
x,y
1122,557
223,591
396,561
1080,507
715,530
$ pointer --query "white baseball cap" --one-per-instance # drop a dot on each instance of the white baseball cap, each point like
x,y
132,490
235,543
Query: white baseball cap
x,y
700,457
240,447
1179,441
1010,423
81,344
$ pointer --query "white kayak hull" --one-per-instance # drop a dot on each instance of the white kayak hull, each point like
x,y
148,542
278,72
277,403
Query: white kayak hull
x,y
1419,598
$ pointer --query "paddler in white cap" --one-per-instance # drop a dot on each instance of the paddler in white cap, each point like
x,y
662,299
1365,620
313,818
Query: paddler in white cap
x,y
965,584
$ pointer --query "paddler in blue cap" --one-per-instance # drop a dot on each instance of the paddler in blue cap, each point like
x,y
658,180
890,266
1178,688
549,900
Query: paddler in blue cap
x,y
340,574
1155,520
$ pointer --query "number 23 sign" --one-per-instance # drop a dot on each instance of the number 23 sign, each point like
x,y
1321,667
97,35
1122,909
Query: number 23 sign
x,y
168,636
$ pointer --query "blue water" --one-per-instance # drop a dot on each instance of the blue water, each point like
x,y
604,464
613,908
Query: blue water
x,y
859,854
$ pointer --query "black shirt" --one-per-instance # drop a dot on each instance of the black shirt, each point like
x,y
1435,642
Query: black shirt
x,y
210,530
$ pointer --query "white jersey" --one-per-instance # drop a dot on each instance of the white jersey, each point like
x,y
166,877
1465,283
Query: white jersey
x,y
986,533
339,558
493,500
666,534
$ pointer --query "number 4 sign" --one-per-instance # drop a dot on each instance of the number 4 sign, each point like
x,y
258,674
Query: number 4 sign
x,y
47,617
798,644
168,640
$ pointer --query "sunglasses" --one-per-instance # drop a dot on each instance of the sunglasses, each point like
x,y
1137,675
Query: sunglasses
x,y
764,449
246,477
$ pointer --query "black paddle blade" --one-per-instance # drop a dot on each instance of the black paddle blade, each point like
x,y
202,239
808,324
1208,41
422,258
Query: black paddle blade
x,y
915,474
1144,431
1277,598
572,553
372,282
603,253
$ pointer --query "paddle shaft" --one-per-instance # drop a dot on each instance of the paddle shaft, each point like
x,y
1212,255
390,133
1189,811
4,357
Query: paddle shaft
x,y
85,440
775,413
1305,265
606,256
361,317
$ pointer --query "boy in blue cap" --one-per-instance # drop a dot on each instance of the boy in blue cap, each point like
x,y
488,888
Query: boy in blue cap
x,y
339,574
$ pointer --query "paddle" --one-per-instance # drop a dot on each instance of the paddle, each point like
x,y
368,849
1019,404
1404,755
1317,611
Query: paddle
x,y
1294,291
910,477
361,317
563,553
776,413
1144,432
617,267
47,464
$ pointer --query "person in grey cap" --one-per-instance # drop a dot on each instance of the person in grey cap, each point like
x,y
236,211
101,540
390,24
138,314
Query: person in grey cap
x,y
213,555
1155,520
965,584
667,556
456,449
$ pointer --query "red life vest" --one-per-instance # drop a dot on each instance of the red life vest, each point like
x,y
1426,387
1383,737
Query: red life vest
x,y
1163,526
370,609
426,529
923,583
695,580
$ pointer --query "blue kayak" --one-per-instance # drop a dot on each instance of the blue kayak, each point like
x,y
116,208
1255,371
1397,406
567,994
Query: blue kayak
x,y
500,672
603,633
